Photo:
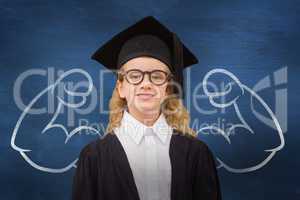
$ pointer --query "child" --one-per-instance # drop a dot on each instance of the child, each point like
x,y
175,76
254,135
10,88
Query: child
x,y
148,151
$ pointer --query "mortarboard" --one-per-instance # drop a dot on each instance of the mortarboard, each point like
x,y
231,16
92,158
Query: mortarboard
x,y
147,37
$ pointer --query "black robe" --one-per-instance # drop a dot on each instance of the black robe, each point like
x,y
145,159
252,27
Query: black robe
x,y
103,171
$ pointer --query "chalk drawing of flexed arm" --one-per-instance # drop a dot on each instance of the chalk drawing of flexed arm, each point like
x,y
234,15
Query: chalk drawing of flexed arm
x,y
53,124
234,101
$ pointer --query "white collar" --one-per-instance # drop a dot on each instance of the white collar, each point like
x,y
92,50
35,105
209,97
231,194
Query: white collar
x,y
137,129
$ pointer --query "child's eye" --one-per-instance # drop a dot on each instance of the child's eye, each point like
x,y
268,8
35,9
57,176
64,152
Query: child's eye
x,y
134,76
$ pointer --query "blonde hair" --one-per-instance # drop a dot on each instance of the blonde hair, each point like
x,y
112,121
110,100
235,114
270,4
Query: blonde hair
x,y
172,107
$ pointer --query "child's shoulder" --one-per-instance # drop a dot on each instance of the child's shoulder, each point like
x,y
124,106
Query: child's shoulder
x,y
192,141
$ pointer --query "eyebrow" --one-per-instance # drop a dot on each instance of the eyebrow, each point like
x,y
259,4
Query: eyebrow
x,y
147,70
151,69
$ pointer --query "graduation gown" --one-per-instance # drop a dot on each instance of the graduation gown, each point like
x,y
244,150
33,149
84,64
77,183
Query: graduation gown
x,y
103,171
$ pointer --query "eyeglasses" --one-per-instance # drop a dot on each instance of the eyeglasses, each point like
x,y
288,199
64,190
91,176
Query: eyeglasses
x,y
136,76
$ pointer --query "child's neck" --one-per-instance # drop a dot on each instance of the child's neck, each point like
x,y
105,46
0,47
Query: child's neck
x,y
146,118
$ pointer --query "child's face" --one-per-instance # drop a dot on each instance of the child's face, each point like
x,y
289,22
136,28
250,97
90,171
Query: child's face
x,y
134,93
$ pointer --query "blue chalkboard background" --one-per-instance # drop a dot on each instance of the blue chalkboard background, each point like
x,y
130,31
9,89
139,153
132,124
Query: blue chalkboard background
x,y
257,41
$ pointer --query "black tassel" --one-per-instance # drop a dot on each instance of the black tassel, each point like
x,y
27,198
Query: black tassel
x,y
178,64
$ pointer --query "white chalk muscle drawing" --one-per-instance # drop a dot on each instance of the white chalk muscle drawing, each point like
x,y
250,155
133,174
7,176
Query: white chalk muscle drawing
x,y
53,123
243,124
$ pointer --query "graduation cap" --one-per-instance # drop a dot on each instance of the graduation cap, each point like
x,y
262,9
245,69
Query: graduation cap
x,y
147,37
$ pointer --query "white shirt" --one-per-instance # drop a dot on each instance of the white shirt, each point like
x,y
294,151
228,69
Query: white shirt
x,y
147,150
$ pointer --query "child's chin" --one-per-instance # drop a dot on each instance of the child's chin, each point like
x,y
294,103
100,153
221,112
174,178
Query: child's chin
x,y
148,108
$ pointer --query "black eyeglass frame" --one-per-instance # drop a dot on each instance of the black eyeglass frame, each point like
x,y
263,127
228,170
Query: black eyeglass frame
x,y
124,73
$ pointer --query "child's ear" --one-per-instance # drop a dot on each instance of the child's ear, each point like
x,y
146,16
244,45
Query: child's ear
x,y
119,88
169,89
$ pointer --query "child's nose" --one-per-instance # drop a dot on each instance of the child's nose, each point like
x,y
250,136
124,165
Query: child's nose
x,y
146,79
146,83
